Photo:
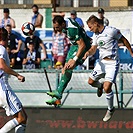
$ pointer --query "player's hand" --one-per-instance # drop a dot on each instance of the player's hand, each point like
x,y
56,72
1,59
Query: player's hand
x,y
21,78
70,64
85,55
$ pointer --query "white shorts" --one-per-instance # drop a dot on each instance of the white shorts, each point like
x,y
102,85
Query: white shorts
x,y
107,69
8,99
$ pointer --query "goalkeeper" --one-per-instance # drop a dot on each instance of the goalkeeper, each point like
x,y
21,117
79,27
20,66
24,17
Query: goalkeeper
x,y
80,44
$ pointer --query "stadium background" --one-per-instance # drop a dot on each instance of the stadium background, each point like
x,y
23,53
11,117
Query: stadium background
x,y
79,101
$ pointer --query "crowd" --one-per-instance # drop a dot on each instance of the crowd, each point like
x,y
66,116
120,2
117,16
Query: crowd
x,y
60,43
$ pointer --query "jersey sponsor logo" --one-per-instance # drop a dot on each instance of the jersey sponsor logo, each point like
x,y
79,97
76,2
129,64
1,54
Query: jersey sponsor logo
x,y
101,43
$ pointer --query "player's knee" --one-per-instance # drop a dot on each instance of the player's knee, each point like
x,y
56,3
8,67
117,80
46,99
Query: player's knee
x,y
90,81
22,119
107,89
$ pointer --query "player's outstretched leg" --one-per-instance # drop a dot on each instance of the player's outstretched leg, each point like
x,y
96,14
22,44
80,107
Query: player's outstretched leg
x,y
57,94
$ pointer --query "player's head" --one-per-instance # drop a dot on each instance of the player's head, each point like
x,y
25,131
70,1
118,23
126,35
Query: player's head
x,y
3,34
93,23
59,23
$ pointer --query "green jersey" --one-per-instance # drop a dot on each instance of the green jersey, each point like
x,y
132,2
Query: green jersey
x,y
76,32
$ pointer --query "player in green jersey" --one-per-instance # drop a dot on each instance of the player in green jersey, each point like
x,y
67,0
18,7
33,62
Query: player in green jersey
x,y
80,44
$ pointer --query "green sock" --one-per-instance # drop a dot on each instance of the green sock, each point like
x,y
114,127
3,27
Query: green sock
x,y
65,78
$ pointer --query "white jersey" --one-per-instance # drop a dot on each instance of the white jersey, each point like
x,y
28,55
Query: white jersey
x,y
4,55
8,100
107,42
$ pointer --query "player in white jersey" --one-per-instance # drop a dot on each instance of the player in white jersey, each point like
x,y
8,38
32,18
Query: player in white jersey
x,y
8,100
106,40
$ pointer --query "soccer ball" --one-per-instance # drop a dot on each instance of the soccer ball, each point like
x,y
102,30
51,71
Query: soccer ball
x,y
28,28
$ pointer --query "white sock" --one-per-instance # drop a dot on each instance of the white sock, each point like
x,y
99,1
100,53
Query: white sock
x,y
97,84
110,99
20,128
9,126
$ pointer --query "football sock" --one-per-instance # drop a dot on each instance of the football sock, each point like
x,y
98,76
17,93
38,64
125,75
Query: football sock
x,y
110,97
20,128
9,126
97,84
65,78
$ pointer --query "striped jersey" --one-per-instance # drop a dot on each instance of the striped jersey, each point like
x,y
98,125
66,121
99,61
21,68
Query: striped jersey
x,y
4,55
107,42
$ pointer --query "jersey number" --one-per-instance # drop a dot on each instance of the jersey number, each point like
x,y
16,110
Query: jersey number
x,y
94,73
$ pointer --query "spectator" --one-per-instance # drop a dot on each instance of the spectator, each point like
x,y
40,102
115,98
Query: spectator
x,y
7,20
77,19
11,57
14,43
31,57
37,44
37,18
60,47
101,16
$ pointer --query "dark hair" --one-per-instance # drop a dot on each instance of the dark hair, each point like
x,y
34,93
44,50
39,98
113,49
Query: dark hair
x,y
59,19
93,19
3,34
6,10
35,6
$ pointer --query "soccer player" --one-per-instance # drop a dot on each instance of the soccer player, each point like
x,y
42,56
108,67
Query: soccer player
x,y
105,38
80,44
8,100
